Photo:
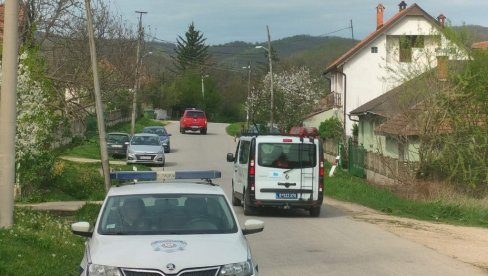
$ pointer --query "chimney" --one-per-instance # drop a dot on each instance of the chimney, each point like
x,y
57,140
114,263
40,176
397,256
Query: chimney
x,y
379,15
442,68
402,5
442,19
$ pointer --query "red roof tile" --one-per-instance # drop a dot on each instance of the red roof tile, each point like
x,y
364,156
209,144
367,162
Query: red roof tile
x,y
480,45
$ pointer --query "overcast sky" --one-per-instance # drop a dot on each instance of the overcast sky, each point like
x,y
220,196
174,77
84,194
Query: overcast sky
x,y
223,21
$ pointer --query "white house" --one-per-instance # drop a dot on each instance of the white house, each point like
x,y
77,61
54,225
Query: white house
x,y
400,49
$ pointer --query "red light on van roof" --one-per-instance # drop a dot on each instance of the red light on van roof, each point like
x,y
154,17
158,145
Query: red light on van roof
x,y
287,140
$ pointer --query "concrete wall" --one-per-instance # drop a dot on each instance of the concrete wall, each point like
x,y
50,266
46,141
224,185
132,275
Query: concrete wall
x,y
315,120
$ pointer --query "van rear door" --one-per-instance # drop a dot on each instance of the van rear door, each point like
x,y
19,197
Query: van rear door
x,y
287,169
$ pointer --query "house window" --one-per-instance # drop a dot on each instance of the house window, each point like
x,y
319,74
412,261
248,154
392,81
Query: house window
x,y
374,50
407,43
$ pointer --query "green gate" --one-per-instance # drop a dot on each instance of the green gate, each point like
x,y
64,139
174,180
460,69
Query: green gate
x,y
356,156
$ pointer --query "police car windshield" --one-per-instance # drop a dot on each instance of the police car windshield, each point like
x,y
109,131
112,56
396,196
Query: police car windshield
x,y
287,155
161,214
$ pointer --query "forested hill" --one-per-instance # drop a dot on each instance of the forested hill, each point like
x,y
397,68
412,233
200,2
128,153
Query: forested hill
x,y
311,51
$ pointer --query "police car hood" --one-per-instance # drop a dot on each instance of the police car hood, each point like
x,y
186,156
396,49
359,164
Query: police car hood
x,y
161,252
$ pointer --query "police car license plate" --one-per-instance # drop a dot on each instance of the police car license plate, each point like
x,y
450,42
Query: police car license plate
x,y
283,195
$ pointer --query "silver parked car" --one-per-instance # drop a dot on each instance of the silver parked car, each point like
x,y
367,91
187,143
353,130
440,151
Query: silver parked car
x,y
145,148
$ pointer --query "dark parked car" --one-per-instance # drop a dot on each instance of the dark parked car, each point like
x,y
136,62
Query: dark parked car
x,y
117,143
163,135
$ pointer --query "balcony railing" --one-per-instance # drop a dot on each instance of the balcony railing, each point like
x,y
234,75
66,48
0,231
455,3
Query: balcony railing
x,y
333,100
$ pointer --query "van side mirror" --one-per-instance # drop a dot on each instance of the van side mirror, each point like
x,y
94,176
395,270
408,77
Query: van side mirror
x,y
230,157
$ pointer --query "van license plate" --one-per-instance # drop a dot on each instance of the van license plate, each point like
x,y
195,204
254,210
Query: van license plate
x,y
280,195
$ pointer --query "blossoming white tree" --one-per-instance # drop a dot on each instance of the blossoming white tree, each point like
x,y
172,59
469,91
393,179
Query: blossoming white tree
x,y
296,94
36,119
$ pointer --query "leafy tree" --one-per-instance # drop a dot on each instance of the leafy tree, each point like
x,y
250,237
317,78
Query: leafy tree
x,y
191,51
461,152
186,91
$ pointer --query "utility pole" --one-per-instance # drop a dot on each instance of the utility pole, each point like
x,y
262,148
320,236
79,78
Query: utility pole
x,y
271,80
137,83
98,99
8,112
352,32
248,67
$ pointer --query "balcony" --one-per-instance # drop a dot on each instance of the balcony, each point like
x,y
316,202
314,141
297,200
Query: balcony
x,y
332,100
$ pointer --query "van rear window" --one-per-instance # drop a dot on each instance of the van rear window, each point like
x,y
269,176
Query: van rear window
x,y
287,155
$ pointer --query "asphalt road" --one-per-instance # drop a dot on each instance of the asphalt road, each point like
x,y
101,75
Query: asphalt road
x,y
293,243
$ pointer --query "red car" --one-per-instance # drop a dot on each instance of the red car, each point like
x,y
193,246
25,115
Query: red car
x,y
193,119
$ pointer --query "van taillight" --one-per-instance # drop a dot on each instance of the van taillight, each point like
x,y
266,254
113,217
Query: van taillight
x,y
252,168
251,179
321,168
321,178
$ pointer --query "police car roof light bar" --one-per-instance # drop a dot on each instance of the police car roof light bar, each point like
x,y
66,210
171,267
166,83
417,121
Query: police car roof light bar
x,y
152,175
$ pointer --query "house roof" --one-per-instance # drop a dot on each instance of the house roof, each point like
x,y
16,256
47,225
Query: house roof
x,y
402,106
413,10
480,45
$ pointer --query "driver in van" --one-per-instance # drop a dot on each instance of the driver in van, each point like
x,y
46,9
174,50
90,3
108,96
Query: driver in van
x,y
281,161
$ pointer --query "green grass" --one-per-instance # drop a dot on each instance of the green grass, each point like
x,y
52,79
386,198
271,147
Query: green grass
x,y
41,243
90,148
75,181
345,187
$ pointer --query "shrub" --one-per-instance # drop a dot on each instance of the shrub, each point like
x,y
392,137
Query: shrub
x,y
331,129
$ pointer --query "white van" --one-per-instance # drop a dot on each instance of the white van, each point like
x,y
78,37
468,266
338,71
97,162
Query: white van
x,y
278,171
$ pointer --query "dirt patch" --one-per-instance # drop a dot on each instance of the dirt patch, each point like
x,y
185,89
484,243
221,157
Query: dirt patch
x,y
467,244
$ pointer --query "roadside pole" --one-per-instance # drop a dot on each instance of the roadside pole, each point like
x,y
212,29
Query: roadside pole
x,y
8,112
137,80
98,99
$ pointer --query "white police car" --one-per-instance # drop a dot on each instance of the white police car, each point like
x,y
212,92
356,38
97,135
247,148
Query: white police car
x,y
167,228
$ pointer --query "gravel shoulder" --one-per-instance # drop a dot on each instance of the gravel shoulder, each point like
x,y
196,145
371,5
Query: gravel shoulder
x,y
467,244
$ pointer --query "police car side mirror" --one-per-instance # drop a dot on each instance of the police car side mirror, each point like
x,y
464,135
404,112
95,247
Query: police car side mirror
x,y
230,157
81,228
252,226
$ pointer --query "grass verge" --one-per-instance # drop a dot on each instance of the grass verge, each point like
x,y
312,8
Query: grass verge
x,y
41,243
345,187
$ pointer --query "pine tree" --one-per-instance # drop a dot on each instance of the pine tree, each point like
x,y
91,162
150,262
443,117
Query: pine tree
x,y
191,51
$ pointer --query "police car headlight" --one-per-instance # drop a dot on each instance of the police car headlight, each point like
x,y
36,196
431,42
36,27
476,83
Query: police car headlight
x,y
237,269
103,270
